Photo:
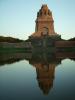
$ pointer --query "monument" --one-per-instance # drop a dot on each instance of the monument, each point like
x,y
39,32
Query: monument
x,y
44,23
43,39
44,30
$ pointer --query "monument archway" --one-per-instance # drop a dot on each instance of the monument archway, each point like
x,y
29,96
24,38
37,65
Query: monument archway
x,y
45,31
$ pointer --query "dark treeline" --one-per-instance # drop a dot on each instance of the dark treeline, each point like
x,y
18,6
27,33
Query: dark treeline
x,y
72,39
15,40
10,39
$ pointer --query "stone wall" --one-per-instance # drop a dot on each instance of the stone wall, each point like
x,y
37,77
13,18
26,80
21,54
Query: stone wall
x,y
65,54
65,44
58,44
15,45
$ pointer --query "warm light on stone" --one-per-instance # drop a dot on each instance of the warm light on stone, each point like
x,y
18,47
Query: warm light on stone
x,y
44,22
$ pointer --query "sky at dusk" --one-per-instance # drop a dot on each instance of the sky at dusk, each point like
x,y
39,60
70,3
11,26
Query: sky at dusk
x,y
17,17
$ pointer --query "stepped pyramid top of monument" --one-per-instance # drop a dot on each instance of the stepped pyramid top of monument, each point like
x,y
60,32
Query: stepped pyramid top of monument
x,y
44,23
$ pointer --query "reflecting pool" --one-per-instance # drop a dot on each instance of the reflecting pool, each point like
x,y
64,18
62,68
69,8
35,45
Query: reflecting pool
x,y
27,76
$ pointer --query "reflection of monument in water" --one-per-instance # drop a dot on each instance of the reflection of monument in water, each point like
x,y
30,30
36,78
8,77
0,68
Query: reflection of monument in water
x,y
45,70
44,63
45,76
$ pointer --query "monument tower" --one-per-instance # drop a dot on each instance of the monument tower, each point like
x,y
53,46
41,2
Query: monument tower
x,y
44,23
44,34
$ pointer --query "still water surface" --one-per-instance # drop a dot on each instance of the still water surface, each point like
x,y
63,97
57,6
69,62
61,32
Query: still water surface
x,y
37,79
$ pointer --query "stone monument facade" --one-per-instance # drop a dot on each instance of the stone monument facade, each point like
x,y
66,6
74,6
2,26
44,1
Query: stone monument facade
x,y
44,23
44,35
